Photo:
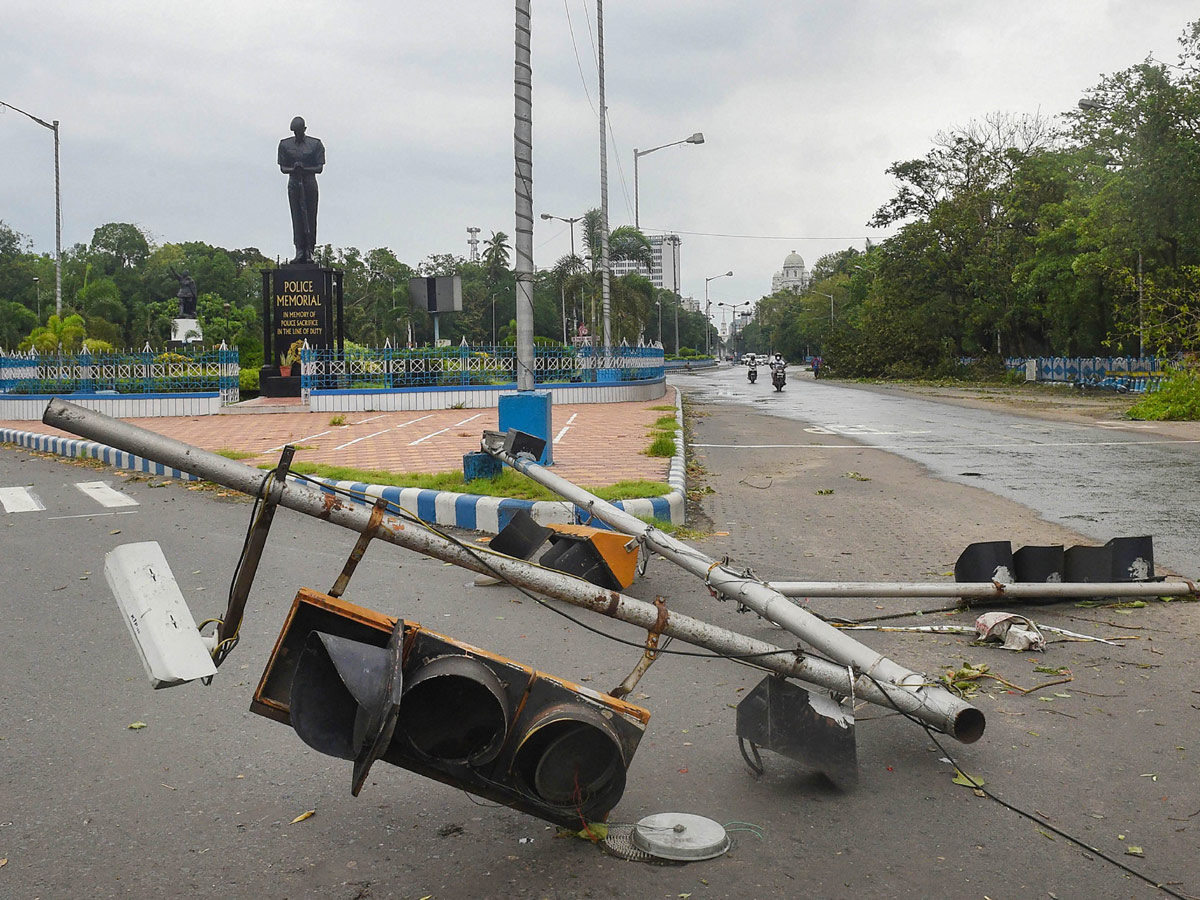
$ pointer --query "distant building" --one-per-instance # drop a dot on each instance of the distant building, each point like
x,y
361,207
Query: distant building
x,y
793,277
665,271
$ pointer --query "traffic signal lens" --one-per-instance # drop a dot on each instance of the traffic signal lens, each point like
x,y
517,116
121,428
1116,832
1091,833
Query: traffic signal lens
x,y
571,757
454,710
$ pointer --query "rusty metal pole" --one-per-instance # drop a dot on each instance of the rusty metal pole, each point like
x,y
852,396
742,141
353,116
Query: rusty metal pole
x,y
935,707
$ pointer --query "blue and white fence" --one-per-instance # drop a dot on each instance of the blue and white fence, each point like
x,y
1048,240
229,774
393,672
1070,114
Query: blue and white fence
x,y
439,377
1126,374
387,367
149,383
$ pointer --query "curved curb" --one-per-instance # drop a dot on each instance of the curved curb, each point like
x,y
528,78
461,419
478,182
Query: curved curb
x,y
491,514
80,449
470,511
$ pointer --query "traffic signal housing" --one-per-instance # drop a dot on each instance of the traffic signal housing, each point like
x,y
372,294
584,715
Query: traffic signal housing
x,y
362,686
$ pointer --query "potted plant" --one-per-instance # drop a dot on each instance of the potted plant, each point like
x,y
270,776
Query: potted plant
x,y
290,359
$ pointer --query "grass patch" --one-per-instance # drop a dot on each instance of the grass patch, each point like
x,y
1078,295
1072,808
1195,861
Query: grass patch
x,y
235,454
338,420
664,406
663,445
509,484
1176,400
665,423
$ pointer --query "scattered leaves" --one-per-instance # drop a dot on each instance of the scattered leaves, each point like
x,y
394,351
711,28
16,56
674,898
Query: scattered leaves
x,y
1134,850
823,492
136,726
307,814
856,476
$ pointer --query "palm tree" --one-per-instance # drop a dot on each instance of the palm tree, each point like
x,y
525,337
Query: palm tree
x,y
495,256
66,333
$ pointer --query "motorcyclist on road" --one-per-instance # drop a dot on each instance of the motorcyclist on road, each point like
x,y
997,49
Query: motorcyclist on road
x,y
752,370
778,362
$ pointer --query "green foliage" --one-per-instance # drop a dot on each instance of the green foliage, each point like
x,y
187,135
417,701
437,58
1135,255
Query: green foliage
x,y
1177,399
1014,238
663,445
248,380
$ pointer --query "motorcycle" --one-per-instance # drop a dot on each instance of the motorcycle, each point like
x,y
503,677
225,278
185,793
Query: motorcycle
x,y
752,374
778,377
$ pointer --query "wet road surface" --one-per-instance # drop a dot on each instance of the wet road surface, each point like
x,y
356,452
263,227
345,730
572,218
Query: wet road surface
x,y
1104,480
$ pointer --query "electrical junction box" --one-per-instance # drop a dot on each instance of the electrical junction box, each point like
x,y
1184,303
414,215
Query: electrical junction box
x,y
163,630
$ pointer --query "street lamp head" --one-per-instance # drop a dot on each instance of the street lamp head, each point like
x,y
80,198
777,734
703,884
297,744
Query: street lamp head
x,y
1089,105
547,216
697,138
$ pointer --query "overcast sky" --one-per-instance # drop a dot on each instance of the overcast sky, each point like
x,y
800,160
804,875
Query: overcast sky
x,y
171,114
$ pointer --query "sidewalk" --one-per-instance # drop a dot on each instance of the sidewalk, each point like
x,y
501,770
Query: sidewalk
x,y
595,445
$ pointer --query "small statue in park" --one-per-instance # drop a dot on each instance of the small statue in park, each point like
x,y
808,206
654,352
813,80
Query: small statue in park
x,y
302,159
187,294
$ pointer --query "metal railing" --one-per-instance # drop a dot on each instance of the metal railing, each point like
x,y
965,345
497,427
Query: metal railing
x,y
182,371
385,368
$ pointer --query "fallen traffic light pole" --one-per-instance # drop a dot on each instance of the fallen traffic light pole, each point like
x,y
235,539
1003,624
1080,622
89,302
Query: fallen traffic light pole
x,y
917,697
966,723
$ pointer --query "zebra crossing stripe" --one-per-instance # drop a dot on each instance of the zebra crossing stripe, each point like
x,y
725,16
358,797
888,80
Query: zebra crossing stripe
x,y
105,494
19,500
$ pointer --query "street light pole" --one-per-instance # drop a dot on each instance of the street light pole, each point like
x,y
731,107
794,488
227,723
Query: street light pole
x,y
830,296
733,308
708,309
570,221
53,126
37,283
696,138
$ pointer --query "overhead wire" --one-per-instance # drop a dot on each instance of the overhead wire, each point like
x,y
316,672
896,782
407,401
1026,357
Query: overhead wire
x,y
1041,822
480,556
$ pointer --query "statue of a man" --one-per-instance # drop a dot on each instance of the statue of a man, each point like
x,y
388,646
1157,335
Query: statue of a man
x,y
302,159
187,293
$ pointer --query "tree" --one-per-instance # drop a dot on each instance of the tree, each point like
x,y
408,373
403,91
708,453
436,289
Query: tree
x,y
65,335
120,246
495,256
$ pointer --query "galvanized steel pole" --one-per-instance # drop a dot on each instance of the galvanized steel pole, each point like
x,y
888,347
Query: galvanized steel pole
x,y
936,707
740,586
986,590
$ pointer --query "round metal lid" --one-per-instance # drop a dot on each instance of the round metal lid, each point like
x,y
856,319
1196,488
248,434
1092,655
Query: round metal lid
x,y
680,836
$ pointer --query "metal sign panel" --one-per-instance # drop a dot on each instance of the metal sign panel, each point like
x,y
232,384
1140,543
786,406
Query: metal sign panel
x,y
436,294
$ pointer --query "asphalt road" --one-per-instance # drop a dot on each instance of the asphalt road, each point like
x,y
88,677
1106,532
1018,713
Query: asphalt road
x,y
1107,479
200,802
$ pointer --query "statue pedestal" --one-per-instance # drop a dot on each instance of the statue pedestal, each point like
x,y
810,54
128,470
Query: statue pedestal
x,y
185,331
301,302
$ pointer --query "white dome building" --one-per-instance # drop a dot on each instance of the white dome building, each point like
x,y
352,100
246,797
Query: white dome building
x,y
793,277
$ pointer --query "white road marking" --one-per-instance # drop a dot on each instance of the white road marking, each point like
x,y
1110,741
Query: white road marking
x,y
465,421
105,494
428,436
19,500
128,512
372,419
413,421
385,431
363,438
1031,445
565,428
300,441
